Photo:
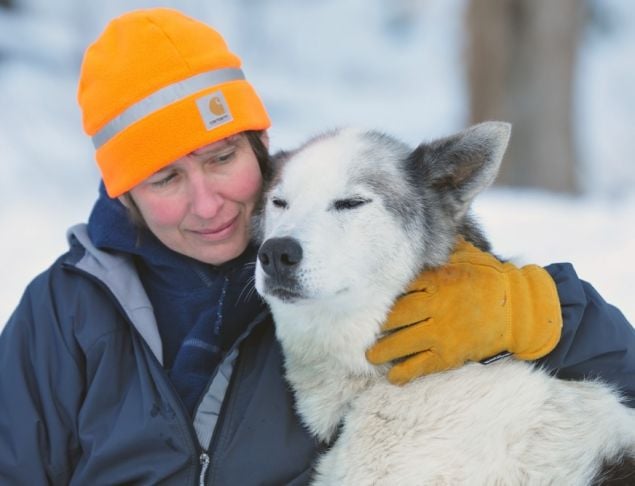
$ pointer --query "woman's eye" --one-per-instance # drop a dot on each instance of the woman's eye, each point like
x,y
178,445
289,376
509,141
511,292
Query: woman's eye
x,y
224,157
279,203
352,203
164,181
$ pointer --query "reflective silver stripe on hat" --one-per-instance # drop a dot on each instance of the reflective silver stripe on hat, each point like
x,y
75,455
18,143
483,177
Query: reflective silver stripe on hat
x,y
163,97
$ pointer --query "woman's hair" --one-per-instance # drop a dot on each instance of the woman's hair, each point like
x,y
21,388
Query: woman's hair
x,y
254,137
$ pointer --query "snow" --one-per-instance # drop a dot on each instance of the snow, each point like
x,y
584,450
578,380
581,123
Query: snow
x,y
319,65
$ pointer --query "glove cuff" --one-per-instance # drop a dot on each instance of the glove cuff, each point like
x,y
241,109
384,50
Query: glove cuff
x,y
536,317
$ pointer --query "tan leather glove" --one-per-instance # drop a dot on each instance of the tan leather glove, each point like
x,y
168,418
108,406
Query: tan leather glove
x,y
473,308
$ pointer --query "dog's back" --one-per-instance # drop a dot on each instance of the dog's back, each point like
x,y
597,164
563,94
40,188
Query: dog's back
x,y
350,219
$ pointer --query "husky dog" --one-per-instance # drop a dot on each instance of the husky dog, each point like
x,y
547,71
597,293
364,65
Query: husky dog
x,y
350,219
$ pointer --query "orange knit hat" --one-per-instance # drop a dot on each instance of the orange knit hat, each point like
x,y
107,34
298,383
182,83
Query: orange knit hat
x,y
157,85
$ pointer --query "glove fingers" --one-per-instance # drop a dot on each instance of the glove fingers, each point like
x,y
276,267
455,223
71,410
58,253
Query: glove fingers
x,y
409,309
401,343
421,364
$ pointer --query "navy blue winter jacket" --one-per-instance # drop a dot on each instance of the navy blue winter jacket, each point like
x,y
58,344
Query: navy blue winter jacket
x,y
84,398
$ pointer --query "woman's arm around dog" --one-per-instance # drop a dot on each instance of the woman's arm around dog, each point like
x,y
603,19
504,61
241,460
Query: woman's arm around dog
x,y
597,341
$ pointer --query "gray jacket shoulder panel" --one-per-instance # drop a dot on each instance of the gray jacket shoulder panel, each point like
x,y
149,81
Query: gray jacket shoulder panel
x,y
118,273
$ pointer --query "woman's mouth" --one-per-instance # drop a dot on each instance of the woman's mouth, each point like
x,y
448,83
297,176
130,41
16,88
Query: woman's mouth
x,y
218,232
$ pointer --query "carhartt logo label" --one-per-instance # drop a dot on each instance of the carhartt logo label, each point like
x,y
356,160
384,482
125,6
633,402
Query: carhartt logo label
x,y
214,110
216,106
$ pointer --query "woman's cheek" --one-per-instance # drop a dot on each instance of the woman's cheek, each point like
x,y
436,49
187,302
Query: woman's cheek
x,y
164,213
247,188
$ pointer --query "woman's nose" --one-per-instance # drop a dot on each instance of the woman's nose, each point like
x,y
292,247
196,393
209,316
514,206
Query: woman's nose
x,y
206,200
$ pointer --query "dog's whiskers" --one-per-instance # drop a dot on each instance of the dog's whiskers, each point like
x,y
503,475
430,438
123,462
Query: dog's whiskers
x,y
248,290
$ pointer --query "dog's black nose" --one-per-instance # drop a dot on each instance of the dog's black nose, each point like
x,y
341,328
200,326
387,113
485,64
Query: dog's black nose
x,y
280,256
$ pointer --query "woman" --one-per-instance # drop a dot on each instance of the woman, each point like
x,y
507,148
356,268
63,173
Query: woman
x,y
143,356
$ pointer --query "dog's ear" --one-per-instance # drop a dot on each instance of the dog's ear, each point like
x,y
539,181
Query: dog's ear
x,y
276,161
462,165
280,157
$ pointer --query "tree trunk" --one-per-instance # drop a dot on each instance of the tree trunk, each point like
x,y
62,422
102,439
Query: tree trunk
x,y
522,57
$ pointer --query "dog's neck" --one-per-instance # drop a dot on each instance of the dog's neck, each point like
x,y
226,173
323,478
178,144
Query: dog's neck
x,y
325,361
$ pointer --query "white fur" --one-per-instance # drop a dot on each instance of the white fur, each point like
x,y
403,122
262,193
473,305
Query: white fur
x,y
503,423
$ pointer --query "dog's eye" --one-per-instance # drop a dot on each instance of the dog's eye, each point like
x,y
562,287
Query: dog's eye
x,y
352,203
279,203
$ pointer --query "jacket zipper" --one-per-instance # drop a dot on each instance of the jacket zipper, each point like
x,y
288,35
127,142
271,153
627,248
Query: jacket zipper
x,y
204,461
226,408
203,458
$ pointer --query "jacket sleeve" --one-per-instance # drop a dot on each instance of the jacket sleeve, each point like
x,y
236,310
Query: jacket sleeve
x,y
597,341
39,393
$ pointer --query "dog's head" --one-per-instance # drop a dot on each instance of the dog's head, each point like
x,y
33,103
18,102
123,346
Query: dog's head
x,y
352,214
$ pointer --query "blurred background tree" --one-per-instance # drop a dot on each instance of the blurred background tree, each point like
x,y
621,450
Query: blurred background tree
x,y
521,65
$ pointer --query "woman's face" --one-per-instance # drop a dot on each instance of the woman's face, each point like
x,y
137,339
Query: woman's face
x,y
201,204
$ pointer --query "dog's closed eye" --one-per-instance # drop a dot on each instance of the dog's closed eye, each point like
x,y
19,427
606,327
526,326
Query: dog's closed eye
x,y
279,203
350,203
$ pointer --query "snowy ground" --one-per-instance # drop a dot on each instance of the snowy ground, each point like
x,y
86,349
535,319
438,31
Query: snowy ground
x,y
406,81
